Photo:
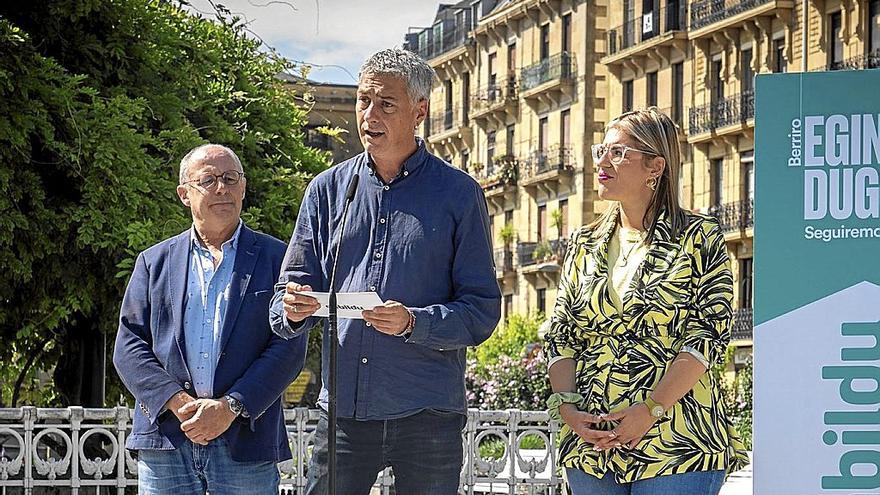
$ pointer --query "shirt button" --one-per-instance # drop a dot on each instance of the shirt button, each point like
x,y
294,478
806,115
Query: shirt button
x,y
187,385
372,288
405,173
369,324
378,254
364,360
387,187
205,355
381,220
208,320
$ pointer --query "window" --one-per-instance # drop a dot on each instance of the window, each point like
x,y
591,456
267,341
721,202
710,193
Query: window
x,y
627,95
465,160
779,64
438,38
447,115
545,41
490,153
542,221
465,97
717,173
566,33
747,161
628,24
511,58
511,129
508,306
541,296
475,13
748,75
493,77
678,92
563,215
835,51
674,15
746,283
565,139
717,80
508,217
543,134
651,81
874,31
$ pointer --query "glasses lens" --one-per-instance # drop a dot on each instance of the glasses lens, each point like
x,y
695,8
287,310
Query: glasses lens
x,y
231,178
207,181
598,152
617,151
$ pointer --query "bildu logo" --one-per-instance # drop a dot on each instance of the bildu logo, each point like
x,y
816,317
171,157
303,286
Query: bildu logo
x,y
861,434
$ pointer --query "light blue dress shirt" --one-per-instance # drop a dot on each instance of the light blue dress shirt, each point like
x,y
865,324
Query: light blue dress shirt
x,y
207,297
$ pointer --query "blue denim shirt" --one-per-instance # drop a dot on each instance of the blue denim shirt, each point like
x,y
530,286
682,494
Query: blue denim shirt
x,y
423,240
207,297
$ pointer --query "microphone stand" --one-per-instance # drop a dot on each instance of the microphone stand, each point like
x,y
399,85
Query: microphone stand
x,y
334,344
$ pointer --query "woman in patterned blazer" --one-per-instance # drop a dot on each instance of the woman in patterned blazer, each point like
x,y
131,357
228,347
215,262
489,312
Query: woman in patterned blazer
x,y
643,310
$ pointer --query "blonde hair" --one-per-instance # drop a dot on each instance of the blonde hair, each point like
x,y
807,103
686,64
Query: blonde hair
x,y
653,131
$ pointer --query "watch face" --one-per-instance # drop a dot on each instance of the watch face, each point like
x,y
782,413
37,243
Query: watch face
x,y
657,412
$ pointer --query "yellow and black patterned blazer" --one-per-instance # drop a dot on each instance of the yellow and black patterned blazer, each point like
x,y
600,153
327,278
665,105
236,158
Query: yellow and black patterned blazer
x,y
680,297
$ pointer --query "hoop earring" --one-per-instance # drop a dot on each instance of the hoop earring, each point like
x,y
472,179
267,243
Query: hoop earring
x,y
651,182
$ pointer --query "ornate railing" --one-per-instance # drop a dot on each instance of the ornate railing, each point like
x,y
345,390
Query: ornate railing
x,y
446,120
492,94
525,251
734,216
558,157
735,109
742,324
559,66
503,260
646,27
81,450
706,12
867,61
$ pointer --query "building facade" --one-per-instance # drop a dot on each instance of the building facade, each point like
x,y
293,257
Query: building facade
x,y
526,86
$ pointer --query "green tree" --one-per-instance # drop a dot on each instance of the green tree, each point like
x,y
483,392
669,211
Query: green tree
x,y
99,100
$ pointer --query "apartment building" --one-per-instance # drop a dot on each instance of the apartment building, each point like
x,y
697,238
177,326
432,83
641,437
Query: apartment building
x,y
516,107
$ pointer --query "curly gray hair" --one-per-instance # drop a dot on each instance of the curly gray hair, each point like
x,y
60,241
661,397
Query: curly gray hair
x,y
419,76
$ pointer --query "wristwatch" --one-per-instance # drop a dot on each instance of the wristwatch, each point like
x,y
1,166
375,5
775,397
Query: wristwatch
x,y
235,405
655,408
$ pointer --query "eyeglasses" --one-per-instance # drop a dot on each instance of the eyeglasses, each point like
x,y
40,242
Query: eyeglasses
x,y
209,181
616,152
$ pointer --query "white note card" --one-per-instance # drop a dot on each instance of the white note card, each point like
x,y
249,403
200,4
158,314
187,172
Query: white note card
x,y
349,304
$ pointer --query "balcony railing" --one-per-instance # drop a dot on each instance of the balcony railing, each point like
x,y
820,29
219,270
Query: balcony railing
x,y
446,120
450,40
503,260
560,157
868,61
525,251
742,324
493,94
706,12
647,27
82,449
560,66
735,109
735,216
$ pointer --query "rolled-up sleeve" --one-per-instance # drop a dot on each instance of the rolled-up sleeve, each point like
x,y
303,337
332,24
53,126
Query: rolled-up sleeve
x,y
301,265
707,331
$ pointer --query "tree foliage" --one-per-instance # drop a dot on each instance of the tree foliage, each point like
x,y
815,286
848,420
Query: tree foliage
x,y
99,100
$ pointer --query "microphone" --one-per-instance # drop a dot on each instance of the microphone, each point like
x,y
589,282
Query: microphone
x,y
334,344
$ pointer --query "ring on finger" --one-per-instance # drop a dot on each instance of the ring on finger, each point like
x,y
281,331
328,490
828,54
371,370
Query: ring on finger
x,y
294,308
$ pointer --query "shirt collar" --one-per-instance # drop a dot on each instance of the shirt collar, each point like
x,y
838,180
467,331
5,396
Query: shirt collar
x,y
232,242
410,165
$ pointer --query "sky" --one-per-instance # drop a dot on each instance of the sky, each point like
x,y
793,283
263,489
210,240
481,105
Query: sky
x,y
327,33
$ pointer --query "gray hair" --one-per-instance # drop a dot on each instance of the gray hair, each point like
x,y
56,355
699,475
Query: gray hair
x,y
189,159
419,76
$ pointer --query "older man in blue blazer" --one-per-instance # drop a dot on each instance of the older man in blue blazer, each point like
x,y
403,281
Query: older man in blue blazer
x,y
196,351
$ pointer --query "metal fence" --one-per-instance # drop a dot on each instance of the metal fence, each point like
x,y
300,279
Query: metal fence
x,y
735,215
706,12
661,21
560,66
735,109
78,450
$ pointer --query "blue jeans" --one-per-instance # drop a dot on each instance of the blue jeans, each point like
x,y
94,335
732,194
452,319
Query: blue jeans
x,y
696,483
194,469
424,450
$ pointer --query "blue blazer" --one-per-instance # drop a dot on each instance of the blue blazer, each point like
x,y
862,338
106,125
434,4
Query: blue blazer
x,y
255,365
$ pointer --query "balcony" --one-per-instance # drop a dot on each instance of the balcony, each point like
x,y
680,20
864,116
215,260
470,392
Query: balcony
x,y
867,61
548,79
546,169
710,16
726,116
503,263
494,102
735,217
499,185
457,37
450,128
541,260
652,34
742,324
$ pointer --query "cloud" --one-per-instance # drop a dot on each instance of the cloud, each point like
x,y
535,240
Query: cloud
x,y
330,32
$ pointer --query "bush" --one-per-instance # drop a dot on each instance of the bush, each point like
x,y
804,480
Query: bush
x,y
509,371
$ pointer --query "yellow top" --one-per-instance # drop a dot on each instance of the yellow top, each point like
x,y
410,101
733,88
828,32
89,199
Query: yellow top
x,y
678,300
626,250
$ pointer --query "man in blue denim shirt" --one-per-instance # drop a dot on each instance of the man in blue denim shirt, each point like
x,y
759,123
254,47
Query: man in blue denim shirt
x,y
418,234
